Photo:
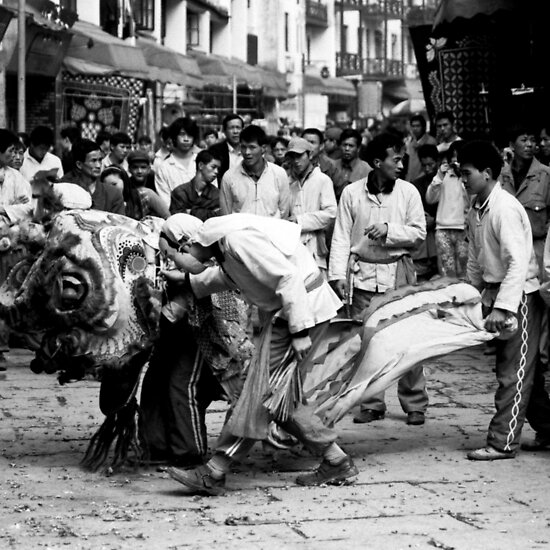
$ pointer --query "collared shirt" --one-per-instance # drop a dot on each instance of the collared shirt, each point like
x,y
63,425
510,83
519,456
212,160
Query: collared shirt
x,y
500,249
349,172
107,161
268,196
161,155
414,169
444,145
171,173
15,195
313,203
31,166
373,262
235,157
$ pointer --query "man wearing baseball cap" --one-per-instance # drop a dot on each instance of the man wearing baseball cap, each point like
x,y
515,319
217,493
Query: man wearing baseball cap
x,y
312,199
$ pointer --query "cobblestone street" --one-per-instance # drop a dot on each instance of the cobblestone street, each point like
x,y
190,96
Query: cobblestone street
x,y
415,488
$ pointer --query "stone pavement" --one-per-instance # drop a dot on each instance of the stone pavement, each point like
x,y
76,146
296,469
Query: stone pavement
x,y
415,489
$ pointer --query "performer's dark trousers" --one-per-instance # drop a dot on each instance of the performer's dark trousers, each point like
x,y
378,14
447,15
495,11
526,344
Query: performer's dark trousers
x,y
302,423
411,388
177,389
516,362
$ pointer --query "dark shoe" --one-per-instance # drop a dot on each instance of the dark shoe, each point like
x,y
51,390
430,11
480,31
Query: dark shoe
x,y
416,418
330,474
539,443
490,453
368,415
199,481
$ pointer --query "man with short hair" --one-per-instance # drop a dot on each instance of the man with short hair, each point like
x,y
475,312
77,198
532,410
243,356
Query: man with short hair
x,y
180,166
544,145
312,200
318,156
199,197
446,131
417,139
229,150
120,147
502,266
87,172
39,164
255,185
350,167
380,220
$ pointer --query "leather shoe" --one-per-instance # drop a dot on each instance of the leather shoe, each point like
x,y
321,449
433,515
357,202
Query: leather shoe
x,y
368,415
490,453
539,443
198,481
416,418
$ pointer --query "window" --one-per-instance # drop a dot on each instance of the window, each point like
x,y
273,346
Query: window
x,y
394,53
144,14
192,29
251,49
287,46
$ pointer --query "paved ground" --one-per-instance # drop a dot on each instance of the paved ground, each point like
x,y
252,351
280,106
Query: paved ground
x,y
415,490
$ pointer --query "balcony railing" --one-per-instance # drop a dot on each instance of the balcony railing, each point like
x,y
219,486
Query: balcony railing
x,y
353,64
316,13
391,8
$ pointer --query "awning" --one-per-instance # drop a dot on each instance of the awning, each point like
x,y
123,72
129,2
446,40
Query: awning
x,y
93,51
167,65
449,10
328,86
400,90
219,71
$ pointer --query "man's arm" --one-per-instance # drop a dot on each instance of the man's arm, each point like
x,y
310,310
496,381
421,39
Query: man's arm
x,y
284,195
226,197
320,219
473,269
412,231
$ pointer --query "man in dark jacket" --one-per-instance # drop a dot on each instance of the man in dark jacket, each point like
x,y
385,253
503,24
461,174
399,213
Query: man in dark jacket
x,y
229,150
87,158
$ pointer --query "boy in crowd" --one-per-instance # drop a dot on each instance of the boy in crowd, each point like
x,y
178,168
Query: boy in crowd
x,y
120,147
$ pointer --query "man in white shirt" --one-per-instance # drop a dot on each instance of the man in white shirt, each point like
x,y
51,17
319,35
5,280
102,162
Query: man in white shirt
x,y
380,220
120,146
312,199
255,186
503,266
179,167
39,164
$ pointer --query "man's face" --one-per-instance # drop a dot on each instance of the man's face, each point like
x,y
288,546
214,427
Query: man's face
x,y
38,151
330,145
524,146
417,129
350,149
252,153
139,170
91,167
17,158
184,142
474,181
233,131
105,147
120,151
7,156
279,151
391,167
145,147
210,140
315,142
299,163
444,129
209,171
545,142
429,165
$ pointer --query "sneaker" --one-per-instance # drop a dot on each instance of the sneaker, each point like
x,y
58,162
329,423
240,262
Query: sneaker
x,y
342,473
368,415
538,443
199,481
416,418
490,453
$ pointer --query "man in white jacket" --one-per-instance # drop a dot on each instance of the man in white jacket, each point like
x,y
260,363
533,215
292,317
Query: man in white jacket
x,y
264,259
380,220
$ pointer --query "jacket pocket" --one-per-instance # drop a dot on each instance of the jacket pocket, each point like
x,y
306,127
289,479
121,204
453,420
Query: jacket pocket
x,y
536,210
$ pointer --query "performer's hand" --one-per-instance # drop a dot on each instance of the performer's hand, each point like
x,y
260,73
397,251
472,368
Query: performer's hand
x,y
342,289
301,346
496,320
377,231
